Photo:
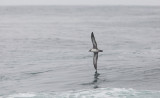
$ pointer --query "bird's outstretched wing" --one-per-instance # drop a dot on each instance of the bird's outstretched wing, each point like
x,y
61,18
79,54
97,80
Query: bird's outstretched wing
x,y
95,58
93,41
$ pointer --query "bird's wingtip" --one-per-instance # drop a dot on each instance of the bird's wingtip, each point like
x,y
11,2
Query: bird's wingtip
x,y
92,34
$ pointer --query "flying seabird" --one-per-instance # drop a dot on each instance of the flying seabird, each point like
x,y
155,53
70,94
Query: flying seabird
x,y
95,50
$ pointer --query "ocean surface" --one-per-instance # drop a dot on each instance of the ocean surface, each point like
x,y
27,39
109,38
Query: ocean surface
x,y
44,52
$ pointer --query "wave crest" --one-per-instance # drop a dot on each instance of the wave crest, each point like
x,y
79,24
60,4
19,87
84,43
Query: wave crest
x,y
96,93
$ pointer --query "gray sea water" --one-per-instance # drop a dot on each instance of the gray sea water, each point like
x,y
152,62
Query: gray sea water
x,y
44,52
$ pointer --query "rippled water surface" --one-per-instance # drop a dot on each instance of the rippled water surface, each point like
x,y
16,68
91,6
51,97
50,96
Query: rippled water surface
x,y
44,52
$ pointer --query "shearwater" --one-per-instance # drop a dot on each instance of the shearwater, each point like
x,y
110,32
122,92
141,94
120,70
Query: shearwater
x,y
95,50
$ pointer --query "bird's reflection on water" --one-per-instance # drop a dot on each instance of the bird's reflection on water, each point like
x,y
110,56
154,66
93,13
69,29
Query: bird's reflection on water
x,y
95,81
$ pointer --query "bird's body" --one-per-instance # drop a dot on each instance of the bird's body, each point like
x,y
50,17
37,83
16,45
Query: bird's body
x,y
95,50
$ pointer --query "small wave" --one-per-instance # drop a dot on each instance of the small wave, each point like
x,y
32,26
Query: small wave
x,y
96,93
23,95
38,72
3,77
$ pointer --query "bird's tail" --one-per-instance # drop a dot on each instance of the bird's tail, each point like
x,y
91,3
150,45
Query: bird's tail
x,y
100,50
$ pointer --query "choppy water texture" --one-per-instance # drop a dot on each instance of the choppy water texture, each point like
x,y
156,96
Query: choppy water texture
x,y
44,52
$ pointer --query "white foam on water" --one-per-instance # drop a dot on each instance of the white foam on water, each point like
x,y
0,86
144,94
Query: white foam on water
x,y
22,95
96,93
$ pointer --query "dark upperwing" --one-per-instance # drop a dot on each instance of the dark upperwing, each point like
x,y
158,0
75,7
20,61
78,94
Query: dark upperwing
x,y
95,58
93,41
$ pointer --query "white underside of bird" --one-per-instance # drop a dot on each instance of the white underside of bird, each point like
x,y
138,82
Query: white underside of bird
x,y
94,50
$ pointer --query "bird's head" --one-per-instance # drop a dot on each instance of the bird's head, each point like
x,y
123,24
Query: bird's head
x,y
90,50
